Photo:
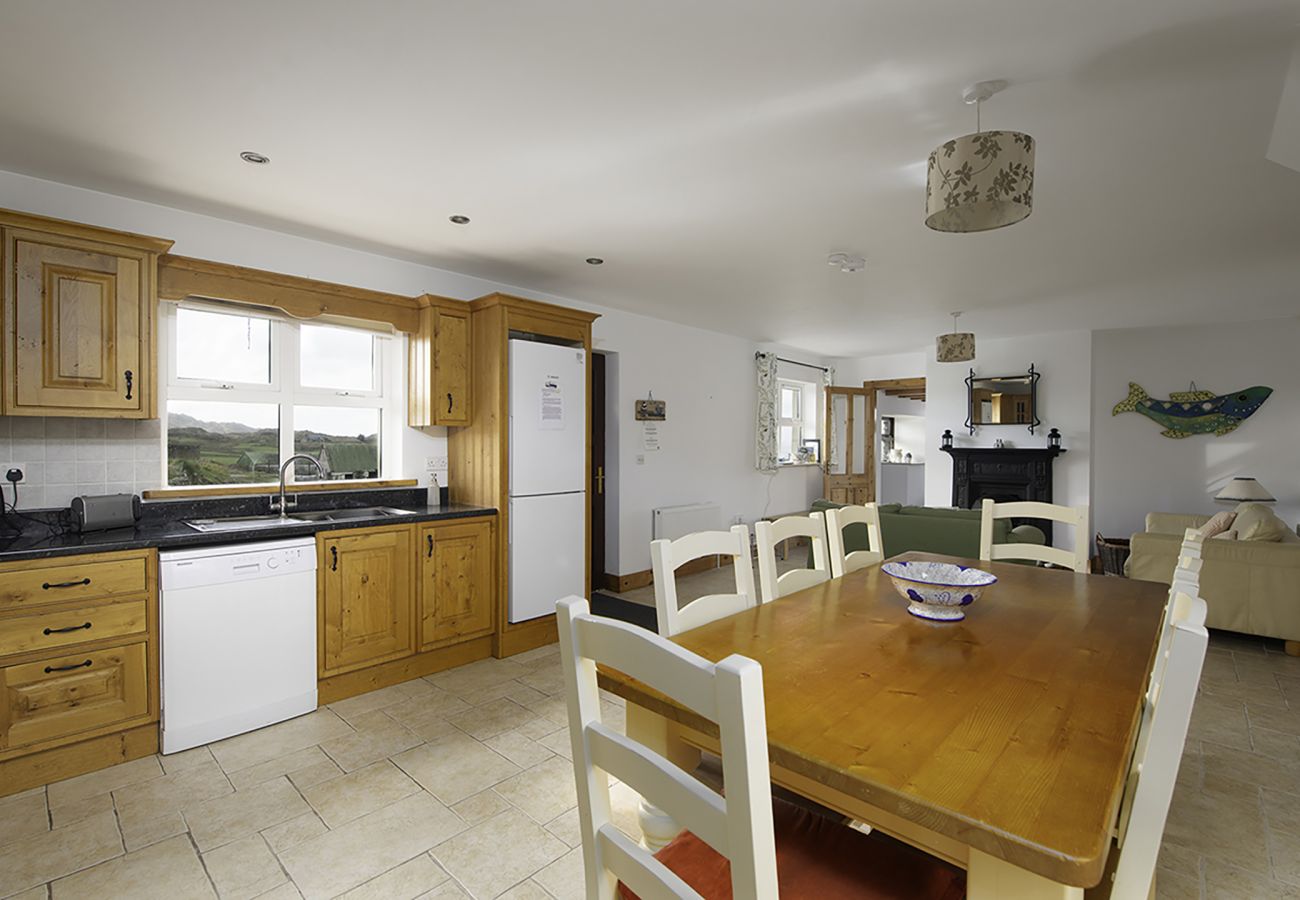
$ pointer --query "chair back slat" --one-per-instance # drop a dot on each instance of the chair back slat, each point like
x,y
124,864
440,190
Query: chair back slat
x,y
1074,516
730,693
1156,764
633,865
665,558
768,534
836,521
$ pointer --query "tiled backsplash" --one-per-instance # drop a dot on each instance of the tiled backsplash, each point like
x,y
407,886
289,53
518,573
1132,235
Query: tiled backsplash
x,y
62,458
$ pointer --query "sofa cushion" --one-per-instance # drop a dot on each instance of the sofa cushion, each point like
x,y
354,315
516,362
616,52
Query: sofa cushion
x,y
1218,524
941,512
1256,522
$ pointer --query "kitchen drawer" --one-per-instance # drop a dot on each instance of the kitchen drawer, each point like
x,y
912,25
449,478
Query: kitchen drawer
x,y
55,628
65,695
75,578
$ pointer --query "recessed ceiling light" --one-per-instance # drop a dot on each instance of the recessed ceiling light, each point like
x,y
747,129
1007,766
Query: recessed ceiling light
x,y
595,261
459,220
256,159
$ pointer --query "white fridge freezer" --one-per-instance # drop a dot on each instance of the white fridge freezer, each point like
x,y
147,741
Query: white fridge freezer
x,y
548,469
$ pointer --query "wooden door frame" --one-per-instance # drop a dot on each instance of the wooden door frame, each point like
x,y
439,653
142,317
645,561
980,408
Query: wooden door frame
x,y
910,388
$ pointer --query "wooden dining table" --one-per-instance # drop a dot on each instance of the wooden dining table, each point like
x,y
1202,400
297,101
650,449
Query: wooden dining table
x,y
1000,743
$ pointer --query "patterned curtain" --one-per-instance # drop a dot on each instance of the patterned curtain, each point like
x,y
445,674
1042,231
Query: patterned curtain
x,y
828,453
765,414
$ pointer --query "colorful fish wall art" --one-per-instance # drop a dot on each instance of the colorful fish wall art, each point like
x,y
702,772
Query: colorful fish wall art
x,y
1186,413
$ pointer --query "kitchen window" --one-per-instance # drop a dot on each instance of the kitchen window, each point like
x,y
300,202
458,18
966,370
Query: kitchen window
x,y
248,387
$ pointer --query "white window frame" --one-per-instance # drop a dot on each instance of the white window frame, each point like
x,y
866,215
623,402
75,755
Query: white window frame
x,y
807,393
285,391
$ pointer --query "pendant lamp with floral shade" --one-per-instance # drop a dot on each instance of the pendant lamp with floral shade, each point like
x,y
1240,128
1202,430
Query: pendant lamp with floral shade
x,y
959,346
980,181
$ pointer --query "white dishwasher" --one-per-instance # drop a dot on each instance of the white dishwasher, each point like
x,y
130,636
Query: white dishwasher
x,y
238,642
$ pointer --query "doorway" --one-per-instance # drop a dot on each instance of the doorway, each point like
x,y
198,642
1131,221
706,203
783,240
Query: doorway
x,y
597,494
851,466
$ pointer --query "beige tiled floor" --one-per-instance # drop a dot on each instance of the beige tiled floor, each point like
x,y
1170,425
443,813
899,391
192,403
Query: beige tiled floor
x,y
459,785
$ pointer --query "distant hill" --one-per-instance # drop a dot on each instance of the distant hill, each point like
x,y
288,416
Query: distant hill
x,y
181,420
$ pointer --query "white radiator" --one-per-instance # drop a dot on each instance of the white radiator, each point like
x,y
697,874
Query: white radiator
x,y
672,522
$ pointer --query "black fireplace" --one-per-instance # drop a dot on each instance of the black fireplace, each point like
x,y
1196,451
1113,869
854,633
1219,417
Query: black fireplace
x,y
1003,474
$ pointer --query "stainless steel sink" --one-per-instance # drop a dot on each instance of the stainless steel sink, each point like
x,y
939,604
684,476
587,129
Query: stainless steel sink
x,y
242,523
362,512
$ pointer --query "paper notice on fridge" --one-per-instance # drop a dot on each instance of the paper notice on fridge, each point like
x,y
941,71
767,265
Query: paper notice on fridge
x,y
650,436
552,406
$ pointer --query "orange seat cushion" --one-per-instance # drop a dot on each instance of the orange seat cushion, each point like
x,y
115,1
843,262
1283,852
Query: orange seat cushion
x,y
819,859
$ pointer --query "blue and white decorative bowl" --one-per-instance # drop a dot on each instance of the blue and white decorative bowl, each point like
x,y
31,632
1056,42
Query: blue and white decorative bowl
x,y
937,590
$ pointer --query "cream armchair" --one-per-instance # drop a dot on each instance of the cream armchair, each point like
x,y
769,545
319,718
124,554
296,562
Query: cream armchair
x,y
1251,587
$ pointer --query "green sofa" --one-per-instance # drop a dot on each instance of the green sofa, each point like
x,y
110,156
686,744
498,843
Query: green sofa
x,y
952,532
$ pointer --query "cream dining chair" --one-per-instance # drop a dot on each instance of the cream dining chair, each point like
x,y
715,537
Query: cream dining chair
x,y
730,845
839,519
1076,516
666,556
768,534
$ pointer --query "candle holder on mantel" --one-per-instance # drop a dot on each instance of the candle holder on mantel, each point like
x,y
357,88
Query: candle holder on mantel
x,y
1054,439
945,442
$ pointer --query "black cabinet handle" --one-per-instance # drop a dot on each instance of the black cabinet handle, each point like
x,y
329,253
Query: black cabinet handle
x,y
80,665
448,403
65,584
49,631
429,538
129,378
334,559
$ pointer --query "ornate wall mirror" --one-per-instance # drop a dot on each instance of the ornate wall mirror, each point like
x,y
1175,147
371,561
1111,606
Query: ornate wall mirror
x,y
1002,400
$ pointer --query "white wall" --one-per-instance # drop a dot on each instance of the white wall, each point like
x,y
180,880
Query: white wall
x,y
707,441
852,372
1137,470
1064,402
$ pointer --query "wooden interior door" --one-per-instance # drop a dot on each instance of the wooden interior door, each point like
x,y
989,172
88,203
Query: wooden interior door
x,y
80,321
596,516
849,467
456,582
366,599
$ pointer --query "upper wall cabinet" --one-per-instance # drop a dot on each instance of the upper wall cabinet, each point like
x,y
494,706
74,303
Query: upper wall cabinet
x,y
78,319
439,364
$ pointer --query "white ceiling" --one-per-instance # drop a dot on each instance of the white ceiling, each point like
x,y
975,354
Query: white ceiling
x,y
712,152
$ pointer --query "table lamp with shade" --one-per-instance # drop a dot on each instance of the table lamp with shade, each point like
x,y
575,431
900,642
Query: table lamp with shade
x,y
1244,490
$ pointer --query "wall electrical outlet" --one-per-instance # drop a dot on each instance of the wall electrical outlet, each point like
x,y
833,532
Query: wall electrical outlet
x,y
640,459
20,467
435,464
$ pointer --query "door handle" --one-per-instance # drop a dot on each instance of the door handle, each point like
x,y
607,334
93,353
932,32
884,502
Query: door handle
x,y
129,379
334,559
70,628
449,403
80,665
600,479
65,584
429,553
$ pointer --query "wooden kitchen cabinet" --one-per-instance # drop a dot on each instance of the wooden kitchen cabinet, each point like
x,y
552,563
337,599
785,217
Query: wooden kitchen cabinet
x,y
457,581
366,597
78,319
439,364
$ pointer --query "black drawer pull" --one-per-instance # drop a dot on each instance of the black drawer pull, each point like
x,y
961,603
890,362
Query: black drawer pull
x,y
85,627
448,404
80,665
64,584
129,378
334,559
430,553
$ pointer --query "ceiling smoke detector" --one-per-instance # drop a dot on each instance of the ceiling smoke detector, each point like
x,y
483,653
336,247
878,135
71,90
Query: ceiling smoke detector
x,y
256,159
847,262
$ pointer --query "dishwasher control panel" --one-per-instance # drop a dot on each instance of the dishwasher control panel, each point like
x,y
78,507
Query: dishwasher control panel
x,y
225,563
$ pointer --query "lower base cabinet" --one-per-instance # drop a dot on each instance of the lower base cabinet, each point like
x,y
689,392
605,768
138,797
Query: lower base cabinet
x,y
393,592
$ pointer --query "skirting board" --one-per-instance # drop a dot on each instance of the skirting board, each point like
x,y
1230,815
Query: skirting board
x,y
620,583
349,684
525,636
48,766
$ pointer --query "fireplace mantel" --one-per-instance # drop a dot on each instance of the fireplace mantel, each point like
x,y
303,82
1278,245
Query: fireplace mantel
x,y
1002,473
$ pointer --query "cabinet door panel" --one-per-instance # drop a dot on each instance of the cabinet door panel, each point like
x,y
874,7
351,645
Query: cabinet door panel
x,y
367,600
65,695
80,319
451,369
457,582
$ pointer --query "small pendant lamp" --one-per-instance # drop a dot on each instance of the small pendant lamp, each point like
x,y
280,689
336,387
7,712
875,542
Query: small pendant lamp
x,y
980,181
956,347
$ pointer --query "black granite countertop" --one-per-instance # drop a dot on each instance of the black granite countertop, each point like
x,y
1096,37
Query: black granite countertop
x,y
47,533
